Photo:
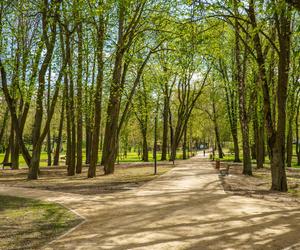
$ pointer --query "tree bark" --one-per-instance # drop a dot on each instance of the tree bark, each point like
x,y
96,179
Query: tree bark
x,y
217,133
297,133
60,130
49,160
98,99
79,100
184,144
240,78
145,157
165,124
71,108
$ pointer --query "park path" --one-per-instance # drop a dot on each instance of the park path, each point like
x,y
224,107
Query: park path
x,y
185,208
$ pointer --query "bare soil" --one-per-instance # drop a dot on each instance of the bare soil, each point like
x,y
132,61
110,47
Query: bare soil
x,y
258,185
126,177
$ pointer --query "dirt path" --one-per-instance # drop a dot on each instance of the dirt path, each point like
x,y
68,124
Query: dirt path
x,y
183,209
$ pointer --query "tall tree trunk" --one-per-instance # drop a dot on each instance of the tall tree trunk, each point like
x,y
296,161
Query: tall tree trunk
x,y
145,144
217,133
15,152
276,138
165,126
113,110
231,106
48,109
98,99
39,135
297,133
3,127
60,130
283,22
79,100
7,151
172,143
184,145
68,120
89,110
235,145
260,146
289,145
240,78
70,100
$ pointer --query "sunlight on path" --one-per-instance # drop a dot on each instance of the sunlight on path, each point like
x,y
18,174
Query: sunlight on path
x,y
184,209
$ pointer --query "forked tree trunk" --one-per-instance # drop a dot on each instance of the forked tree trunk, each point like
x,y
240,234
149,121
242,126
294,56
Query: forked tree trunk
x,y
110,144
98,100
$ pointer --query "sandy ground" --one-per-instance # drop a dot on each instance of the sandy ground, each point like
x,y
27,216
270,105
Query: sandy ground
x,y
185,208
127,176
258,185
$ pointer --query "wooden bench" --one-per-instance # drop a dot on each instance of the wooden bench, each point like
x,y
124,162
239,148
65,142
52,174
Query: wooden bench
x,y
6,164
225,171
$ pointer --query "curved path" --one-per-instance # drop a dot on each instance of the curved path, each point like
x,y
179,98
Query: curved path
x,y
184,209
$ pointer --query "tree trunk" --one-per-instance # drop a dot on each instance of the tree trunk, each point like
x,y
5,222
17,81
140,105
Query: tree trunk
x,y
165,127
60,130
4,123
69,133
217,133
35,163
184,145
113,110
145,144
49,161
89,111
260,147
297,133
240,78
79,100
235,145
276,138
15,150
7,151
98,100
289,145
71,109
172,147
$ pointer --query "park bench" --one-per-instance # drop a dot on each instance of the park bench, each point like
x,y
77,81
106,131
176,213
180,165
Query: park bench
x,y
6,164
225,171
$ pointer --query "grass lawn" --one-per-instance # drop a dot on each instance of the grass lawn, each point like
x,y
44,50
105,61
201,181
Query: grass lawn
x,y
30,224
131,157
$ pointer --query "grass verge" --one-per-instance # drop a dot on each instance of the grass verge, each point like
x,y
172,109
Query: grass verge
x,y
30,224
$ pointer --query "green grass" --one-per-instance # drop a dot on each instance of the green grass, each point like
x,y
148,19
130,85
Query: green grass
x,y
230,158
29,224
131,157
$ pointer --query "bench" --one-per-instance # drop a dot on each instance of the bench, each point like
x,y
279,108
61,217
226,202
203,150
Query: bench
x,y
6,164
225,171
